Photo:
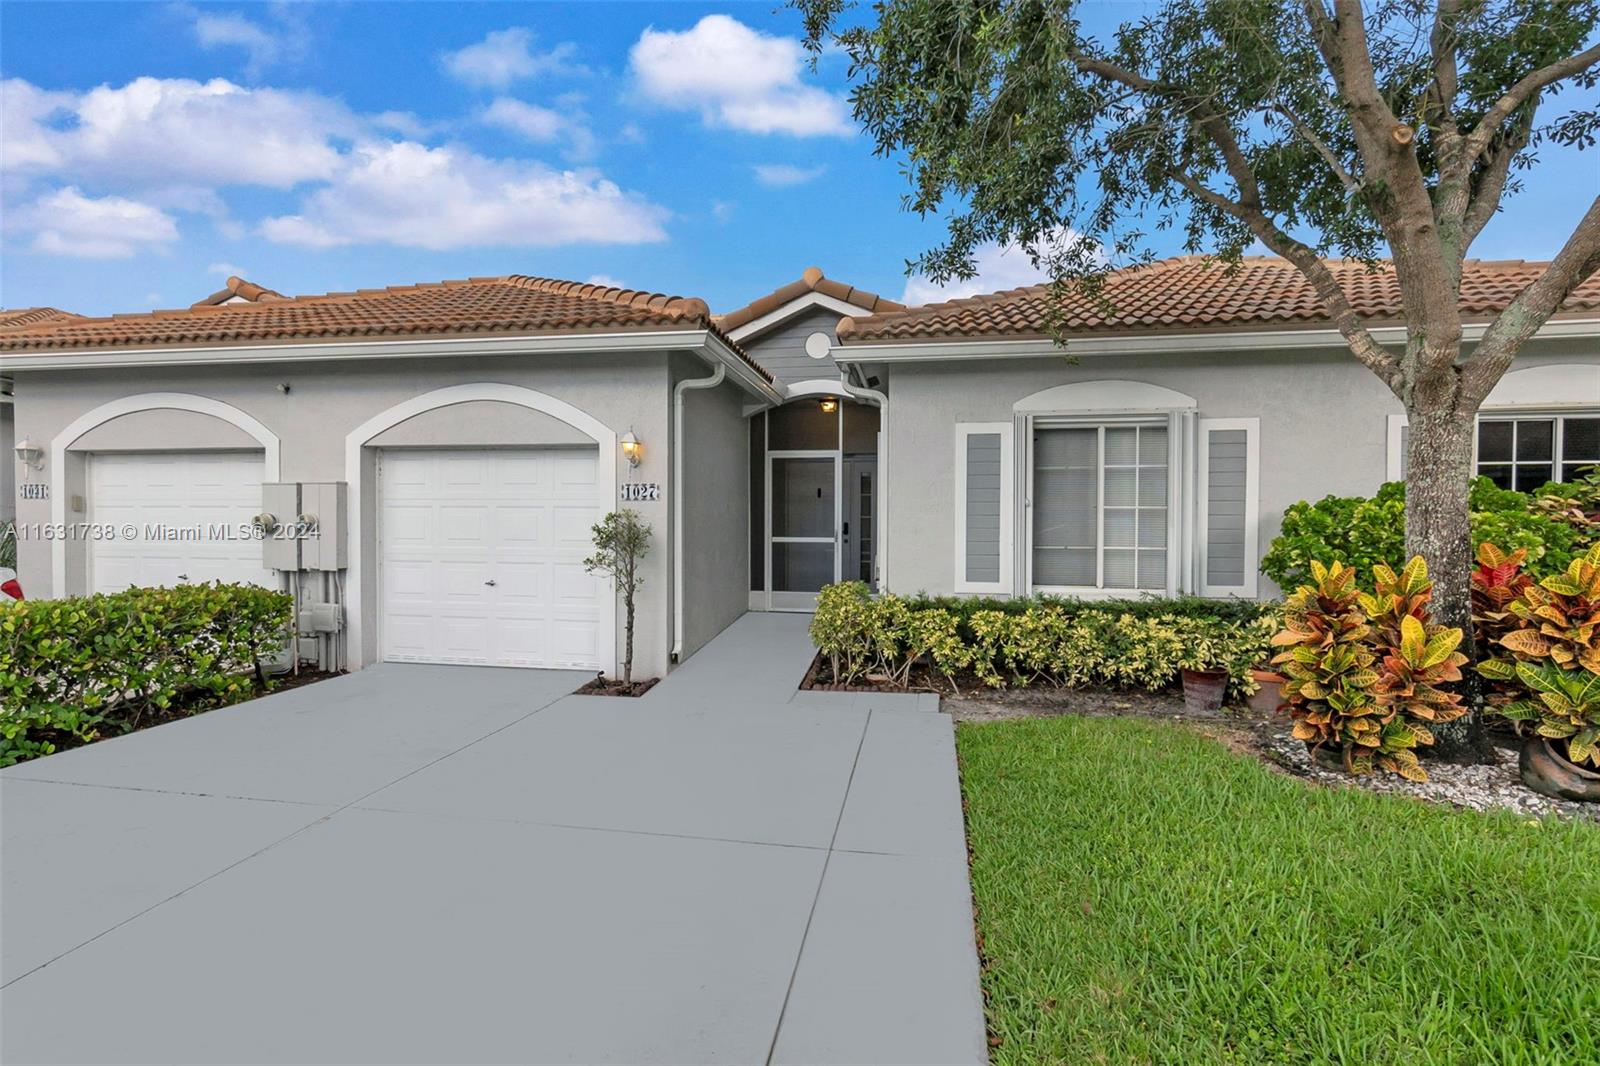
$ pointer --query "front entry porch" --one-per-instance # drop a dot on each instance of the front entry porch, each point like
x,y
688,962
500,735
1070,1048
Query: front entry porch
x,y
813,500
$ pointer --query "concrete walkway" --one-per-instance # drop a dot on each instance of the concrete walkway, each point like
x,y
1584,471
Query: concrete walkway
x,y
451,864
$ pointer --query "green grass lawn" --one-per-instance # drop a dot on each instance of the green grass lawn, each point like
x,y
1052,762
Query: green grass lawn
x,y
1144,895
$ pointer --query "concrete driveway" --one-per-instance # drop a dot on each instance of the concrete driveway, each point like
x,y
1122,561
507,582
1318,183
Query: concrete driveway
x,y
449,864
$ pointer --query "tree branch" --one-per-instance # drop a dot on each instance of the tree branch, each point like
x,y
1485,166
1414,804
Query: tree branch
x,y
1368,351
1478,140
1578,259
1491,182
1351,184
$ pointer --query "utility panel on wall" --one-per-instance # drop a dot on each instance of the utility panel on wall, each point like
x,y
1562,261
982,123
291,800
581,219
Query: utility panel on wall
x,y
302,525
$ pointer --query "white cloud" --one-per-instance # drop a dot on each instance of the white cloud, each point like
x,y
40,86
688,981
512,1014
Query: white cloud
x,y
999,268
530,120
174,131
413,196
505,56
736,77
227,270
607,280
289,39
779,175
722,210
66,222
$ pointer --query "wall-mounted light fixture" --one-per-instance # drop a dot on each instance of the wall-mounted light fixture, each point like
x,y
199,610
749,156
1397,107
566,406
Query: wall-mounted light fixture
x,y
632,448
30,454
829,405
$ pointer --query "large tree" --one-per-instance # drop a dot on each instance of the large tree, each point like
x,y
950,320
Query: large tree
x,y
1313,128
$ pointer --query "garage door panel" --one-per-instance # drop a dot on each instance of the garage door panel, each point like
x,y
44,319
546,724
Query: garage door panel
x,y
520,518
522,528
209,496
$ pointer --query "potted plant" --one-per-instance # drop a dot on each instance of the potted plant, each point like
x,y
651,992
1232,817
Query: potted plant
x,y
1562,757
1207,662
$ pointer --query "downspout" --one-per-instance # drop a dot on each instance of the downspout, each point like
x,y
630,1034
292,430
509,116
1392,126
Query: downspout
x,y
677,500
881,402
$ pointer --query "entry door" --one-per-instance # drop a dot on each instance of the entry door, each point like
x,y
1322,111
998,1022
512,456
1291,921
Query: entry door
x,y
481,557
803,501
858,540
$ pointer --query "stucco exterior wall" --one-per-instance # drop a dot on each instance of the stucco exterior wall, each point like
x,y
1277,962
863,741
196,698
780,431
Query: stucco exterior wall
x,y
716,494
8,462
1324,430
326,401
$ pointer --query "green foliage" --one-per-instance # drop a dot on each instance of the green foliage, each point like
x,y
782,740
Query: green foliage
x,y
8,545
1364,671
621,541
74,670
1565,706
1054,642
1364,533
1144,895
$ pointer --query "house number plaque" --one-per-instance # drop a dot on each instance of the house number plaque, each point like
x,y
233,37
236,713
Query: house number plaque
x,y
34,490
635,491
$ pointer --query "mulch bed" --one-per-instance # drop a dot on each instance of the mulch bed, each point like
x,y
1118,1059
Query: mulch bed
x,y
611,686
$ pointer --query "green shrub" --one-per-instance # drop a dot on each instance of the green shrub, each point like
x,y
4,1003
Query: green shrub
x,y
1364,533
1041,640
74,670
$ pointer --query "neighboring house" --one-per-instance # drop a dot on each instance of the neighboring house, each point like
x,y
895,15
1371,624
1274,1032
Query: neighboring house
x,y
18,319
819,433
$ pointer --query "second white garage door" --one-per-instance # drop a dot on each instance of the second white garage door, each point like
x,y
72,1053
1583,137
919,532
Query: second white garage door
x,y
481,557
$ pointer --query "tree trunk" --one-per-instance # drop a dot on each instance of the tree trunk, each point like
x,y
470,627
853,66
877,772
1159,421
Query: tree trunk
x,y
627,658
1438,527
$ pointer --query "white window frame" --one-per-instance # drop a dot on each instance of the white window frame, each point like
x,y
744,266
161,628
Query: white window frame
x,y
1252,506
1397,424
1007,506
1176,464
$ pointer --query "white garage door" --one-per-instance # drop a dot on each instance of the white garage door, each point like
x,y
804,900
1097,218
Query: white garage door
x,y
481,557
179,504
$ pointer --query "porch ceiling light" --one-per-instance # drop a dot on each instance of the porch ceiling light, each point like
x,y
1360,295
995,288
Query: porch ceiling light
x,y
829,405
30,454
632,448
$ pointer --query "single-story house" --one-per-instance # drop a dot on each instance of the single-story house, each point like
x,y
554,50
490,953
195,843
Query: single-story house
x,y
451,445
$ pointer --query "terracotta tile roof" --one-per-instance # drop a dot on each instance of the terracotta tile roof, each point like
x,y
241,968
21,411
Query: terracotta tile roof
x,y
23,317
810,281
239,289
1195,292
514,304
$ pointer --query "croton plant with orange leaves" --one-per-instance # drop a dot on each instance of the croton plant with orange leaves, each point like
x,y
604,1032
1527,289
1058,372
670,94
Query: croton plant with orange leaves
x,y
1365,673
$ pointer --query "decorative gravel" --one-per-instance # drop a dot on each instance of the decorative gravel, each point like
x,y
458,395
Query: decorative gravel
x,y
1478,788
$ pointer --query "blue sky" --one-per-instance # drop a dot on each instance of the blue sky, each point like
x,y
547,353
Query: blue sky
x,y
317,147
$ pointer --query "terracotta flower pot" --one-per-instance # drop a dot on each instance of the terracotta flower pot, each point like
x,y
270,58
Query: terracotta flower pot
x,y
1203,690
1547,772
1269,696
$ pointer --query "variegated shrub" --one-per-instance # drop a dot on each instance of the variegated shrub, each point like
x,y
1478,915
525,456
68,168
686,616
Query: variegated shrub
x,y
1364,672
1560,618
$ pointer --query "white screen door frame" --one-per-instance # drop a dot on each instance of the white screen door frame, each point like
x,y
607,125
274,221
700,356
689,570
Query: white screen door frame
x,y
787,600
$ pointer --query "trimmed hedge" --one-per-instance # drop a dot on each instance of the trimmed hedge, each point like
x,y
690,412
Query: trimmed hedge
x,y
75,670
1065,643
1364,532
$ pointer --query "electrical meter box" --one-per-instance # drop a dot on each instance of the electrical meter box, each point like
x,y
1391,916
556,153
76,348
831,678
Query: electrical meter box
x,y
324,508
280,503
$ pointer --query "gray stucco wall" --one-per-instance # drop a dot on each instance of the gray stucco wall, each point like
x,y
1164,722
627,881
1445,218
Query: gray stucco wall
x,y
716,488
783,349
1324,429
326,401
8,462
